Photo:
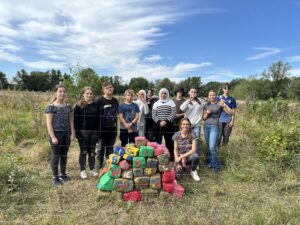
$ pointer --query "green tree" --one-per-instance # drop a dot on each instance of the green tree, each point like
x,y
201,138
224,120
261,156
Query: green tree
x,y
20,80
165,83
38,81
190,82
138,83
213,85
294,88
118,84
278,73
3,81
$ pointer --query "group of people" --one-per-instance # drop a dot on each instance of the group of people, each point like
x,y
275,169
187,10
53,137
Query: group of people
x,y
94,123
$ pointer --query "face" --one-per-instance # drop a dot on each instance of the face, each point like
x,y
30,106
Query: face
x,y
128,97
179,94
193,93
108,90
88,95
149,94
141,96
226,90
61,93
185,125
162,95
212,96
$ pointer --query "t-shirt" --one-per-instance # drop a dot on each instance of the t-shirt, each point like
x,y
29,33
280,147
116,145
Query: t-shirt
x,y
231,103
87,118
184,143
60,118
108,112
128,111
214,116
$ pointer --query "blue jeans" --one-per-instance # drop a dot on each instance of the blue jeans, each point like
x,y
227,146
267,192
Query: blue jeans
x,y
197,131
211,133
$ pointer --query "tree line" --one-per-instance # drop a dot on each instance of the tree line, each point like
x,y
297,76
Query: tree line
x,y
275,81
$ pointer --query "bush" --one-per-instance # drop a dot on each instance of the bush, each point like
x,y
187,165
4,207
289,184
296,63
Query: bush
x,y
13,176
271,126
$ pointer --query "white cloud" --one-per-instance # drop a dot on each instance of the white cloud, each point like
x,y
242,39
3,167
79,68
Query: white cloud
x,y
153,58
267,52
110,35
219,76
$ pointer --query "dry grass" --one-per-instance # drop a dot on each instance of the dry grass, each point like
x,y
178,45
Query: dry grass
x,y
246,192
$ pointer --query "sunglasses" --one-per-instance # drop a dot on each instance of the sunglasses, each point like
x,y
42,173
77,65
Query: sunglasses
x,y
226,88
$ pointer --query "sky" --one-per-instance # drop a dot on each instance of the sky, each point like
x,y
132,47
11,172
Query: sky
x,y
219,40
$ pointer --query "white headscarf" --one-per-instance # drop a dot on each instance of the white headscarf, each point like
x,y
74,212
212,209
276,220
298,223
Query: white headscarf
x,y
143,92
164,90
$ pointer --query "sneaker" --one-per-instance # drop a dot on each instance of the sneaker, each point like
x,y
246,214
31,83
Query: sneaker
x,y
83,174
56,182
94,173
64,178
195,175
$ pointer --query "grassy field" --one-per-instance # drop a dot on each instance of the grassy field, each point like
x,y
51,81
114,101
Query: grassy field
x,y
259,182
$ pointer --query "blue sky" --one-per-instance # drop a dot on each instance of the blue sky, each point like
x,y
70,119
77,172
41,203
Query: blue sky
x,y
217,40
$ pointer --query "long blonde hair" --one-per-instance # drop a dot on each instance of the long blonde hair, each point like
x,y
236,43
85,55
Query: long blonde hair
x,y
55,90
82,103
189,136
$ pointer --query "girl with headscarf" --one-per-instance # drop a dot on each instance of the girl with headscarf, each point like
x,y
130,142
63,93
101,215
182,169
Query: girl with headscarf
x,y
163,115
144,110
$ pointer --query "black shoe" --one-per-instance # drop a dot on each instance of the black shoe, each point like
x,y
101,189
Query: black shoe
x,y
64,178
56,181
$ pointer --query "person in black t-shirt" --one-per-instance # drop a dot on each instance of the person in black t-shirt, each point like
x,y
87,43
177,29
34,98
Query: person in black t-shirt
x,y
149,126
108,106
86,123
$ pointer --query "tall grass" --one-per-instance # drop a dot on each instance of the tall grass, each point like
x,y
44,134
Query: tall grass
x,y
259,183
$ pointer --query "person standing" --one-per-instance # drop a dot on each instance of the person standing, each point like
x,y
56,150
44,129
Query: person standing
x,y
108,106
60,127
86,123
129,115
226,121
178,101
149,129
211,115
193,110
163,114
144,110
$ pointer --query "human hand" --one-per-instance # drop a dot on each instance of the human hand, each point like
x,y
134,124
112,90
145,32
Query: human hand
x,y
231,124
54,140
178,168
72,137
162,123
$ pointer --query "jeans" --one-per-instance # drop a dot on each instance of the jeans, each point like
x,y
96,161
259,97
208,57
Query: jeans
x,y
87,144
59,152
225,131
197,131
211,133
193,161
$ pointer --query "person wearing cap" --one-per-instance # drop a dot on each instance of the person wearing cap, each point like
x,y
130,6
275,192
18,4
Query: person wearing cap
x,y
163,115
193,110
178,101
144,110
226,121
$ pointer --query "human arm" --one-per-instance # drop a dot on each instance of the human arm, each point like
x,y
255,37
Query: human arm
x,y
71,121
176,156
184,106
231,124
49,118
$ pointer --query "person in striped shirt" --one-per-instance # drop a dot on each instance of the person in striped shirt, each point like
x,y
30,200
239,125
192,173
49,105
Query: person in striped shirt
x,y
163,115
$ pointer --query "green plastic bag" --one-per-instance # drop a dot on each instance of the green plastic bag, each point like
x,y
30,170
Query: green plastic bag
x,y
106,183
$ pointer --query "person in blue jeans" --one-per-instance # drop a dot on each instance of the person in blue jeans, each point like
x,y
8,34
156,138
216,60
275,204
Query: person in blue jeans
x,y
226,121
211,115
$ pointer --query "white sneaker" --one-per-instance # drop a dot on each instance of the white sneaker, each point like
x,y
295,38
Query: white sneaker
x,y
94,173
83,174
195,175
